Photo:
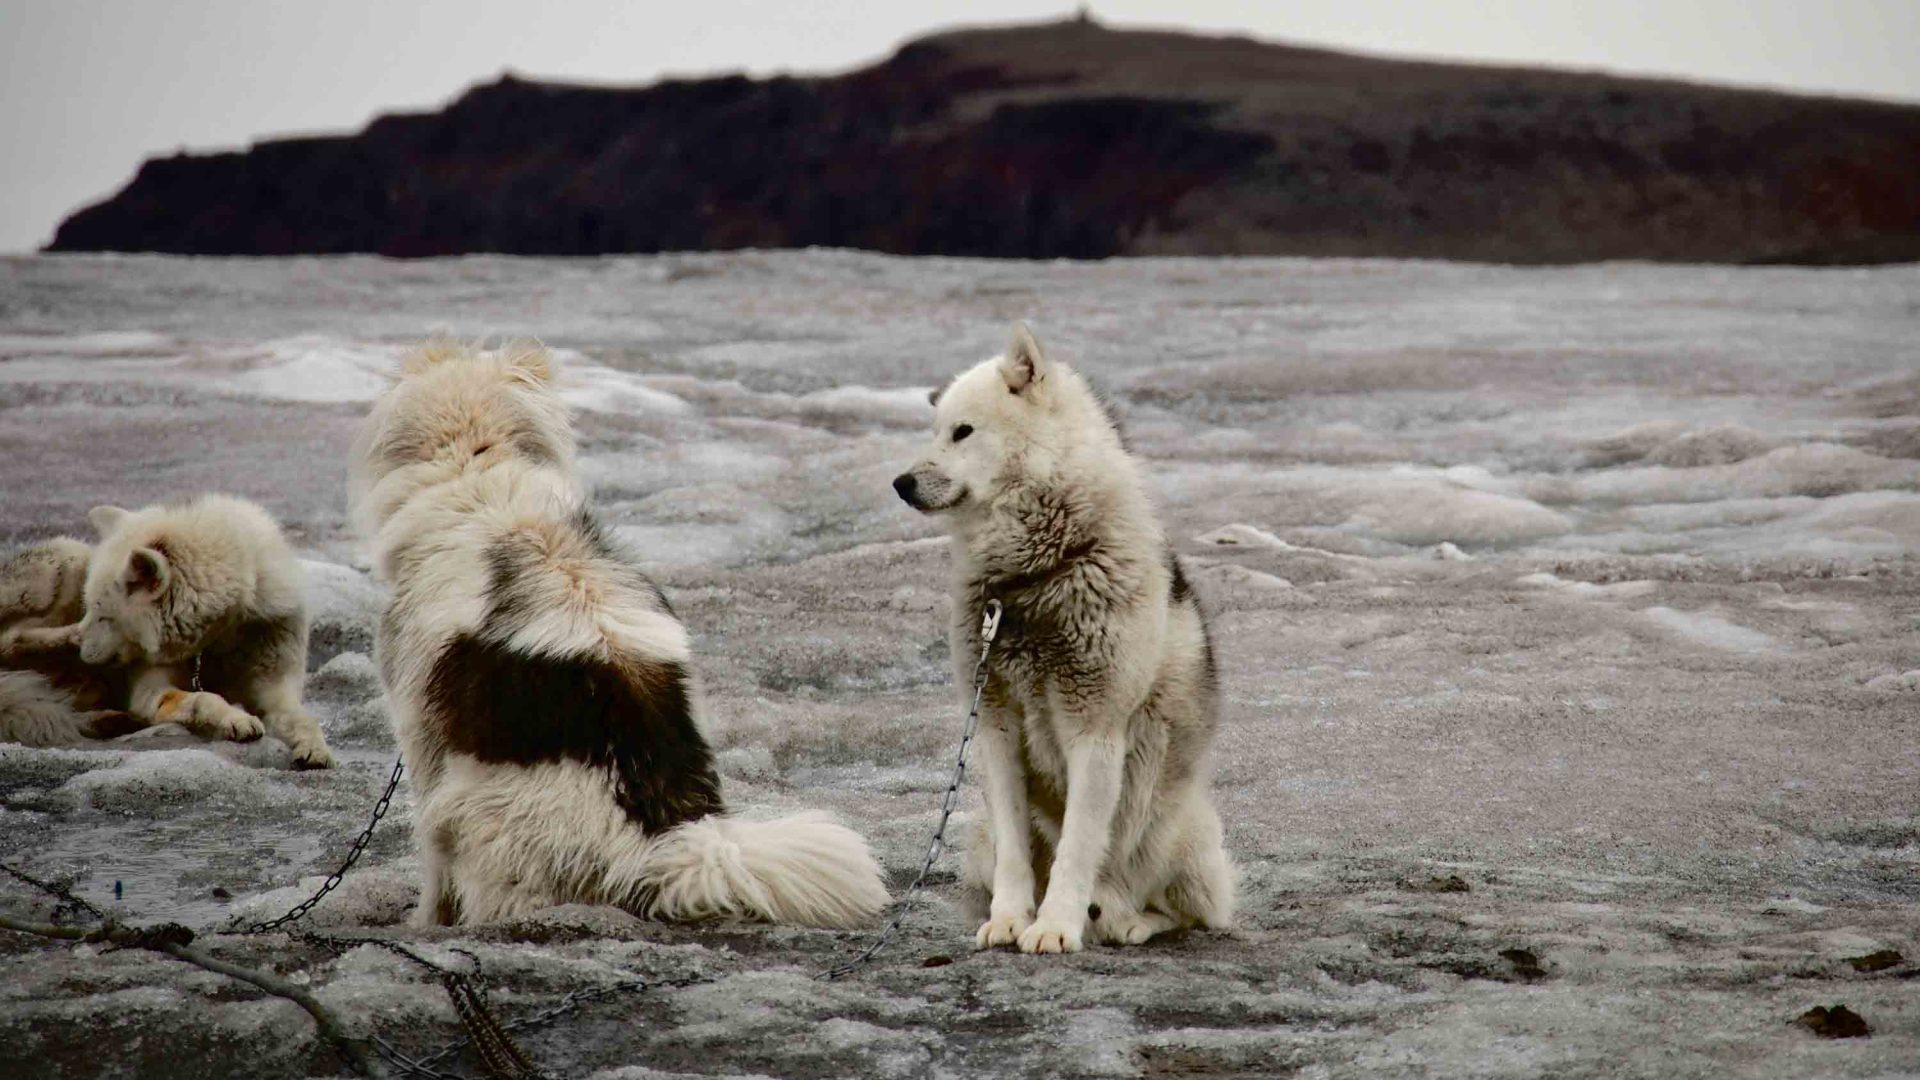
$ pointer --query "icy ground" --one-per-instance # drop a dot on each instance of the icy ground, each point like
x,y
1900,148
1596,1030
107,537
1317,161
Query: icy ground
x,y
1567,624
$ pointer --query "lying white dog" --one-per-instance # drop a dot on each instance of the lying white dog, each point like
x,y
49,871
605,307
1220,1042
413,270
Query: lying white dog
x,y
202,604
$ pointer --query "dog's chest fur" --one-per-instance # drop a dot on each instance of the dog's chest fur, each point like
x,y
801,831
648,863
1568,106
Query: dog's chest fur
x,y
1053,652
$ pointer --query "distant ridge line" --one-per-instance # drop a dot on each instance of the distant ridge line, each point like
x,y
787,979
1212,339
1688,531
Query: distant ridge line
x,y
1072,140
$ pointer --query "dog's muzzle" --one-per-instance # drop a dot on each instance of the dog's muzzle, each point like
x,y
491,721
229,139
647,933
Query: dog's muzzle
x,y
930,493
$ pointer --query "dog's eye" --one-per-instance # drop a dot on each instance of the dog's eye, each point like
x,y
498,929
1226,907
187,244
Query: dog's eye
x,y
962,432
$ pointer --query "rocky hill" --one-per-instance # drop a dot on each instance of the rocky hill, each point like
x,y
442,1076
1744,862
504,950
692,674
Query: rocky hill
x,y
1072,140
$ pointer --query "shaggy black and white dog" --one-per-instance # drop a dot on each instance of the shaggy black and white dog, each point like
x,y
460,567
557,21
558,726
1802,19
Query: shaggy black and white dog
x,y
540,684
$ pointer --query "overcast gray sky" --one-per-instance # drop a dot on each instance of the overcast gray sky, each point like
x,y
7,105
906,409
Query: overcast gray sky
x,y
89,88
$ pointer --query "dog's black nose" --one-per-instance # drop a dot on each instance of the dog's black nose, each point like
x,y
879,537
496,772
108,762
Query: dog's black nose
x,y
904,484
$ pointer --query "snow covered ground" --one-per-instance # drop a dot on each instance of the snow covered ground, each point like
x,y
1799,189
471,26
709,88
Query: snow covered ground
x,y
1569,625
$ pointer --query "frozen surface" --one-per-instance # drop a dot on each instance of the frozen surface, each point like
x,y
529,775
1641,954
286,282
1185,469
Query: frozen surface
x,y
1567,624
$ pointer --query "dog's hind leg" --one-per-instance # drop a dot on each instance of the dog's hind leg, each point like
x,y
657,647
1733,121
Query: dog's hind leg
x,y
1123,911
1114,918
439,906
1201,890
34,712
42,584
33,643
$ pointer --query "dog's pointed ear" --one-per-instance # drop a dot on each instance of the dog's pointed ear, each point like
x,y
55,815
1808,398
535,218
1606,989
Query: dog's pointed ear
x,y
433,351
531,362
106,518
147,572
1023,364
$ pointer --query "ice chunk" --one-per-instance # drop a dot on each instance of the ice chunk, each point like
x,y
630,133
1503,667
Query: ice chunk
x,y
373,896
1670,442
319,369
1808,469
1708,629
165,776
1896,683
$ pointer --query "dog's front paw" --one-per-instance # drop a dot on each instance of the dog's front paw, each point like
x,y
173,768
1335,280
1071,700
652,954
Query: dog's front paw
x,y
214,717
1049,935
1002,930
312,755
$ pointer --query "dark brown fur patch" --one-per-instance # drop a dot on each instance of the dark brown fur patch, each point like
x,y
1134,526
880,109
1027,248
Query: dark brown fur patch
x,y
1180,589
90,686
253,649
112,724
628,715
1181,592
1014,583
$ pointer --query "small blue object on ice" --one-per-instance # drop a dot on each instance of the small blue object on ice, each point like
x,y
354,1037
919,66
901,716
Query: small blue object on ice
x,y
116,888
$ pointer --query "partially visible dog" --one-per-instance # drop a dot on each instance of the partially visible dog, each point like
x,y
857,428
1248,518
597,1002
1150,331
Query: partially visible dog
x,y
540,685
1099,709
48,697
202,603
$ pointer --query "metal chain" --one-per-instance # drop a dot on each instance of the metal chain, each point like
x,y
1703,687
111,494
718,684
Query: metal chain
x,y
360,843
196,671
488,1035
989,626
565,1005
62,893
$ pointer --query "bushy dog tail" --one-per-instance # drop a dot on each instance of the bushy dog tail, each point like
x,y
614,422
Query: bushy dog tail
x,y
805,869
35,712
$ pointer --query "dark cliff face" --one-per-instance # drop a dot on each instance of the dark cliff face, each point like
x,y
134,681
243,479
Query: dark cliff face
x,y
1070,140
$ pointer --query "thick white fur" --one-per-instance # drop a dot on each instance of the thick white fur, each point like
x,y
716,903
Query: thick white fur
x,y
210,580
1099,710
41,594
531,836
470,446
34,712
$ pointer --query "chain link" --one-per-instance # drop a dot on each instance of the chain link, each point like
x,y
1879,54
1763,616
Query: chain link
x,y
62,893
989,627
300,910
